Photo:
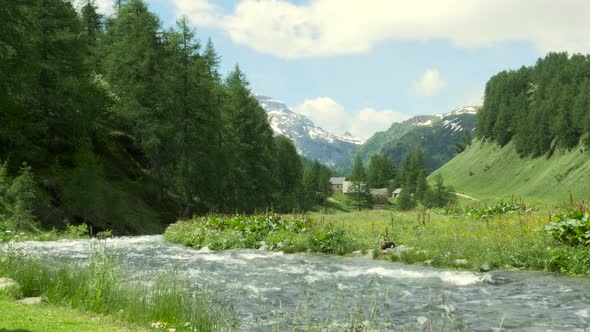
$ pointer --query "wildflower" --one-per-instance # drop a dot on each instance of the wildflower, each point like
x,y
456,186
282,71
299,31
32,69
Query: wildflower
x,y
171,330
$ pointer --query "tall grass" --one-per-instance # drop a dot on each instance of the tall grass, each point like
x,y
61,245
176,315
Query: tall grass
x,y
99,286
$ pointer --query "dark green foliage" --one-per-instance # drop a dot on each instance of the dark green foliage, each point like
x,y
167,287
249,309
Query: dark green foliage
x,y
466,142
542,107
440,195
415,187
413,169
289,175
571,228
380,172
330,239
405,200
129,126
84,195
22,194
316,185
359,190
497,209
238,231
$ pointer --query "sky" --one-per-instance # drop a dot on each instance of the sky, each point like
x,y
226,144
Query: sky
x,y
360,65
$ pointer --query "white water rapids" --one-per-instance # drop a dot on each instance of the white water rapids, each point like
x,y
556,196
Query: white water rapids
x,y
272,290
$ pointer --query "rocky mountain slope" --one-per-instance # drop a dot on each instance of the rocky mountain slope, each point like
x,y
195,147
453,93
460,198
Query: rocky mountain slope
x,y
311,141
437,134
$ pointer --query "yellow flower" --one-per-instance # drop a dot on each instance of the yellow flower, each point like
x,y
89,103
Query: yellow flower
x,y
165,324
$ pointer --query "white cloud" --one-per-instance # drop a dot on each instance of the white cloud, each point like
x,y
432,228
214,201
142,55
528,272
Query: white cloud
x,y
369,121
430,83
332,27
328,114
104,6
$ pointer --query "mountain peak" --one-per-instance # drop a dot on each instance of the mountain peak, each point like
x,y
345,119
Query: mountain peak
x,y
311,141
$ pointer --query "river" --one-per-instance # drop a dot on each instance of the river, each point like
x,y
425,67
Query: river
x,y
272,290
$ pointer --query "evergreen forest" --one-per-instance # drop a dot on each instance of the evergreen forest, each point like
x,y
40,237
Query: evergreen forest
x,y
124,124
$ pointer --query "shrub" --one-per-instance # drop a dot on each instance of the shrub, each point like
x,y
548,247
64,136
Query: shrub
x,y
238,231
571,228
330,239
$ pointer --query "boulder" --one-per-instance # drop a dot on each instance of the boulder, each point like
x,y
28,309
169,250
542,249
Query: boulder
x,y
30,300
387,245
7,283
485,268
461,262
398,250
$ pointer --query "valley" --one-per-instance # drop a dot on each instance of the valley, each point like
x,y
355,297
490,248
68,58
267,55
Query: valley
x,y
146,186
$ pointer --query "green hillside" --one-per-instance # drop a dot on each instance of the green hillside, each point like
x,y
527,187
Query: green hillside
x,y
488,171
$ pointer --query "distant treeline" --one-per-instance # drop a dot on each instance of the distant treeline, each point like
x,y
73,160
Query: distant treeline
x,y
118,116
540,108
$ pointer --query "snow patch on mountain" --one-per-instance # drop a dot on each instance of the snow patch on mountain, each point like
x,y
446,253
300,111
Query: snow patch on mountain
x,y
310,140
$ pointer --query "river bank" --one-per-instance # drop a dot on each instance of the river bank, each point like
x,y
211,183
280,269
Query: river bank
x,y
273,291
503,236
56,318
94,282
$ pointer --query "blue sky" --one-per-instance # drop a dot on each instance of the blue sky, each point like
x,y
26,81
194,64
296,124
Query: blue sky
x,y
360,65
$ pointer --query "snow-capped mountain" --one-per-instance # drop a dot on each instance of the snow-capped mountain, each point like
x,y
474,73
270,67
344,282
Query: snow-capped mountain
x,y
437,134
311,141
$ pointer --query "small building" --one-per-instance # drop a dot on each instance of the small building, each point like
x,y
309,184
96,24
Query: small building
x,y
337,185
396,192
380,196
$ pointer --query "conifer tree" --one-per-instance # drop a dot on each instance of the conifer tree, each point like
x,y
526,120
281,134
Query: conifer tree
x,y
359,190
289,175
381,170
22,194
253,144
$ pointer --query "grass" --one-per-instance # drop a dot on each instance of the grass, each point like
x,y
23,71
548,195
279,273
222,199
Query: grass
x,y
490,172
98,286
511,240
48,317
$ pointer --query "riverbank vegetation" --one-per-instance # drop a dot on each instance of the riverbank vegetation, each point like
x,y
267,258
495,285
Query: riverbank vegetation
x,y
55,318
507,235
99,286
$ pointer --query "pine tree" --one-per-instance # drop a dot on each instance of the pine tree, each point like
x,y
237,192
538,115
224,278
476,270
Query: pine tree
x,y
22,194
289,174
381,170
92,29
254,145
440,196
421,186
132,65
83,193
359,190
405,201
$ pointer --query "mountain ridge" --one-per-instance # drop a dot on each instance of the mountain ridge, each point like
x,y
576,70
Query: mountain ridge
x,y
311,141
438,134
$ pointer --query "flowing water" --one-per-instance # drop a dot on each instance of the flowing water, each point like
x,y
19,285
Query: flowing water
x,y
276,291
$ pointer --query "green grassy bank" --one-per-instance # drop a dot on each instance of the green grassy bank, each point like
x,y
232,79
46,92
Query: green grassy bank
x,y
97,286
505,236
49,317
488,171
